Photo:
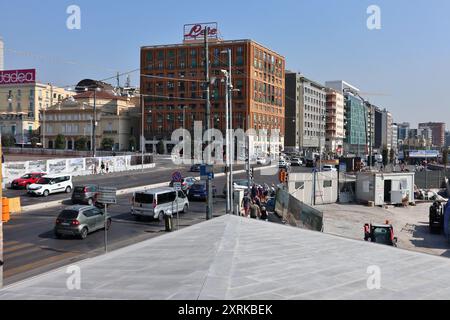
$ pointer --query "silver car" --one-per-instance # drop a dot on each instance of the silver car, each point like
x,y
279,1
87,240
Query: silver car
x,y
80,221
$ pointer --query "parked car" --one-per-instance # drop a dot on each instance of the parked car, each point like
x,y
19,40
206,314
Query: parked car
x,y
296,162
80,221
186,184
198,191
195,168
155,203
26,180
51,184
85,194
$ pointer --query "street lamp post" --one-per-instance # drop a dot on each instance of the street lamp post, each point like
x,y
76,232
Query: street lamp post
x,y
141,99
227,143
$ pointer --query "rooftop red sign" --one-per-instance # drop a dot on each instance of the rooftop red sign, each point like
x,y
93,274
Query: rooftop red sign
x,y
9,77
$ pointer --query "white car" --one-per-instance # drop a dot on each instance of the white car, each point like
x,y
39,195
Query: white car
x,y
51,184
262,160
296,162
328,168
158,202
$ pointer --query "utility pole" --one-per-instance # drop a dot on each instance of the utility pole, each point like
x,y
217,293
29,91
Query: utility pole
x,y
231,139
94,124
227,143
142,129
209,204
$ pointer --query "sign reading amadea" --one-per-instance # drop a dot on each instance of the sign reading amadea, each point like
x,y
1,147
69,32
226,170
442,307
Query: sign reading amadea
x,y
8,77
196,31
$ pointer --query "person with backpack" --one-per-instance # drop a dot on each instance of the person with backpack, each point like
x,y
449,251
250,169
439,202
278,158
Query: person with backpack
x,y
102,168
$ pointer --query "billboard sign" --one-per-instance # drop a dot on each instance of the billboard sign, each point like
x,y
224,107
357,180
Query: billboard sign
x,y
12,77
194,32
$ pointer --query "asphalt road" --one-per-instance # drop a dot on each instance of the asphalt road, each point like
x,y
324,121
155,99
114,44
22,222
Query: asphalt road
x,y
30,247
121,180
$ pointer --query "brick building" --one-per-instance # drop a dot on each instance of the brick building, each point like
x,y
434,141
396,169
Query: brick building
x,y
173,84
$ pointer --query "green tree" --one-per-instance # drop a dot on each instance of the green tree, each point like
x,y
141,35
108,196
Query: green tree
x,y
81,144
8,140
133,143
385,157
60,142
107,144
160,147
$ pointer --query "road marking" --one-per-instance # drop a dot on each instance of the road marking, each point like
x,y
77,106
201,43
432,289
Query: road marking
x,y
32,248
39,263
8,249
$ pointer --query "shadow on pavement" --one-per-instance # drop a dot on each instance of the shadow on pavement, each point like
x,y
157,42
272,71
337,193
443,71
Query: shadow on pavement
x,y
425,239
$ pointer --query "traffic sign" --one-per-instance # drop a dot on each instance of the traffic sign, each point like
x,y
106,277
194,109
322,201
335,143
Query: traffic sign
x,y
107,195
177,186
177,177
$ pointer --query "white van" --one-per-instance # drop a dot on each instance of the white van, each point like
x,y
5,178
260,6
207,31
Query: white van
x,y
51,184
156,203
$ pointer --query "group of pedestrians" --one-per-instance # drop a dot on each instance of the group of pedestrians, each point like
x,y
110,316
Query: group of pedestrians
x,y
255,203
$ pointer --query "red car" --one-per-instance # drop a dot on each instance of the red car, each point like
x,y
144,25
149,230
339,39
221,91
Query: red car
x,y
26,180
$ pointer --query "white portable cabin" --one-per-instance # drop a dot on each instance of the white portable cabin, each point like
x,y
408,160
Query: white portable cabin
x,y
385,188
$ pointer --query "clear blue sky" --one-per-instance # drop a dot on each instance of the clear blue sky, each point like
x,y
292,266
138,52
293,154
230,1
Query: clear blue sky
x,y
408,60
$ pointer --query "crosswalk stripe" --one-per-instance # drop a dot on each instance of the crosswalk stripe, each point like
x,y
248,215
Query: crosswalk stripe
x,y
16,247
19,253
39,263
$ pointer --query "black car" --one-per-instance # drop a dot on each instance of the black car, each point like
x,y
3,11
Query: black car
x,y
195,168
85,194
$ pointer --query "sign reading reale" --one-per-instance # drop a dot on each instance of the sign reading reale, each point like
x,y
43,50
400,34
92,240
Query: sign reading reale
x,y
196,31
8,77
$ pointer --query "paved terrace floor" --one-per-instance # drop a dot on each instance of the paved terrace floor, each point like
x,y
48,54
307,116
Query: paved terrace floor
x,y
236,258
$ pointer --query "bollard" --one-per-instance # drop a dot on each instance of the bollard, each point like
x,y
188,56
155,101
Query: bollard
x,y
168,221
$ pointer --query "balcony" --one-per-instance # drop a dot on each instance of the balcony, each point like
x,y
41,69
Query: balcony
x,y
112,132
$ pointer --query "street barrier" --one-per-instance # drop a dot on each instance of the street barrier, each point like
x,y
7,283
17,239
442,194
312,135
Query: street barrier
x,y
14,205
5,210
75,167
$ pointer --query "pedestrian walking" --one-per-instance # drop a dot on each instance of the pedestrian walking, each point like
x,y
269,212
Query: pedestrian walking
x,y
102,168
255,212
246,202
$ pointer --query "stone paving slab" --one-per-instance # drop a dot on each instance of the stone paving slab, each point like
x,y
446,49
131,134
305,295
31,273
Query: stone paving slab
x,y
235,258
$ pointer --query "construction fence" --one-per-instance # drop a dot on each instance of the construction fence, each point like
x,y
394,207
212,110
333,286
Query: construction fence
x,y
75,166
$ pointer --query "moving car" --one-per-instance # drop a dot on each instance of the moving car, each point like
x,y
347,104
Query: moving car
x,y
26,180
51,184
328,168
186,184
262,161
297,162
380,233
85,194
283,164
195,168
198,191
80,221
240,184
155,203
